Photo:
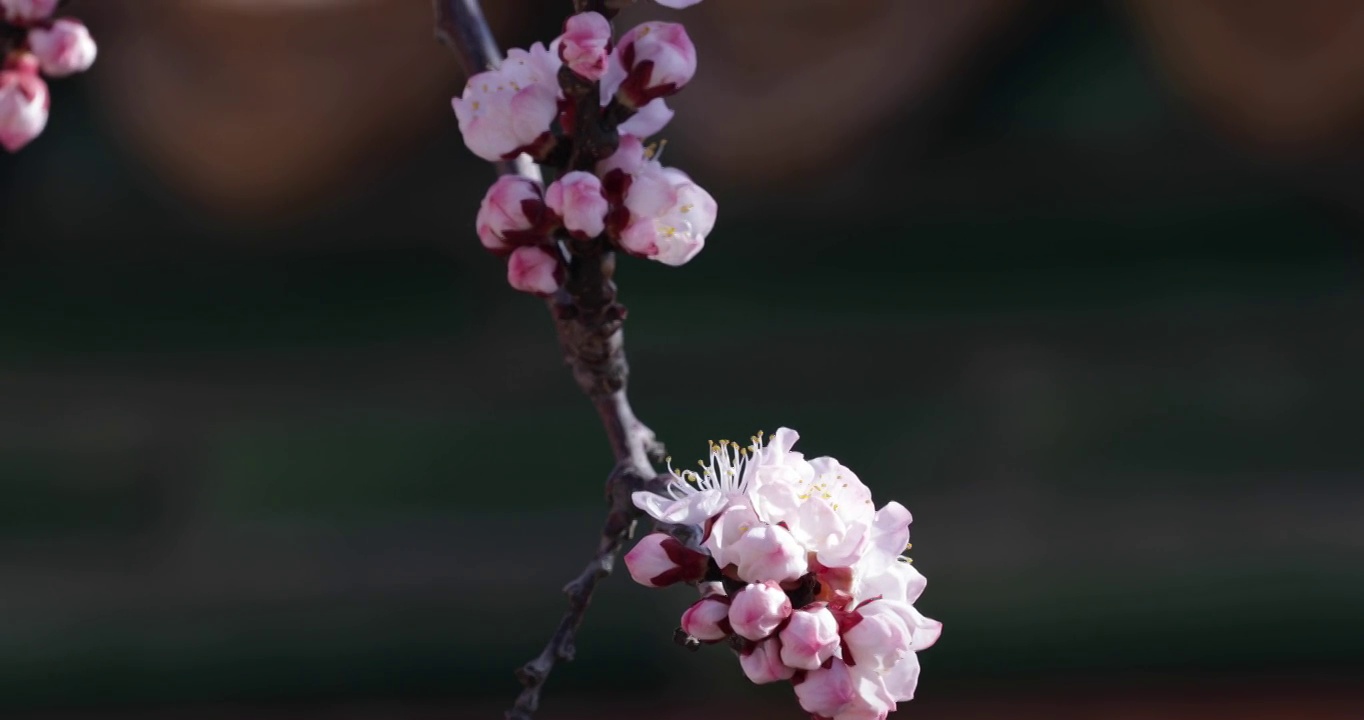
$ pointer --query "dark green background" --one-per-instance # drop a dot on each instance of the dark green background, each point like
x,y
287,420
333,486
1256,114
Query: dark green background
x,y
1111,364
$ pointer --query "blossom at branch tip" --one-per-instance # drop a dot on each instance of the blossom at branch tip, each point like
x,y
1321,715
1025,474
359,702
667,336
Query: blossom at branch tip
x,y
585,44
512,214
758,609
509,110
707,619
24,102
534,270
578,201
22,12
659,560
653,60
762,663
63,49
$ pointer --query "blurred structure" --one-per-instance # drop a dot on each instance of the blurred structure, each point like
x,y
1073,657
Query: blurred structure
x,y
1076,282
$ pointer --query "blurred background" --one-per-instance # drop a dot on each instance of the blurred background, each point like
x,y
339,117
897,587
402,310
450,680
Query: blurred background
x,y
1077,282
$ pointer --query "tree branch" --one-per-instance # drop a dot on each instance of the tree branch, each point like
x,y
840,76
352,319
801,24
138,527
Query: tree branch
x,y
588,320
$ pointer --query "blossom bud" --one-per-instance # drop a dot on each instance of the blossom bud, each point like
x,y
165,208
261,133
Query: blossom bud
x,y
758,609
629,157
64,49
509,110
577,199
708,619
651,61
810,638
660,559
769,552
670,215
24,102
512,213
533,270
583,46
22,12
762,664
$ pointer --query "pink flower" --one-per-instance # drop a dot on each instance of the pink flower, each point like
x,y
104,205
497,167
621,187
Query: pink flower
x,y
531,269
694,498
678,4
768,552
577,199
659,560
708,619
629,157
670,215
507,111
64,49
24,102
826,691
810,638
22,12
762,663
512,213
651,61
648,120
826,507
584,44
757,610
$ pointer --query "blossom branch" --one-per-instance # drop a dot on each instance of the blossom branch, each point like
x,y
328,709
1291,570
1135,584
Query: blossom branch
x,y
588,321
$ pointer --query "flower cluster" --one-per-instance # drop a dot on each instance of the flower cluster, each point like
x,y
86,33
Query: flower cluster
x,y
798,571
583,107
33,44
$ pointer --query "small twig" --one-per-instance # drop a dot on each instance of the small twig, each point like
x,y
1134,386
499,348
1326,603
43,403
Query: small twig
x,y
588,321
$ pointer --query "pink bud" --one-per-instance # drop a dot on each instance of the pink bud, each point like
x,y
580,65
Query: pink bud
x,y
22,12
531,269
758,609
628,157
583,46
678,4
769,552
577,199
762,664
24,102
670,215
660,559
810,638
653,60
708,619
648,120
507,111
64,49
512,213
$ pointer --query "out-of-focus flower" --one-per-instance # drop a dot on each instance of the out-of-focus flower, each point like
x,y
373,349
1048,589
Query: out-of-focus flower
x,y
648,120
22,12
533,270
63,49
509,110
24,102
678,4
